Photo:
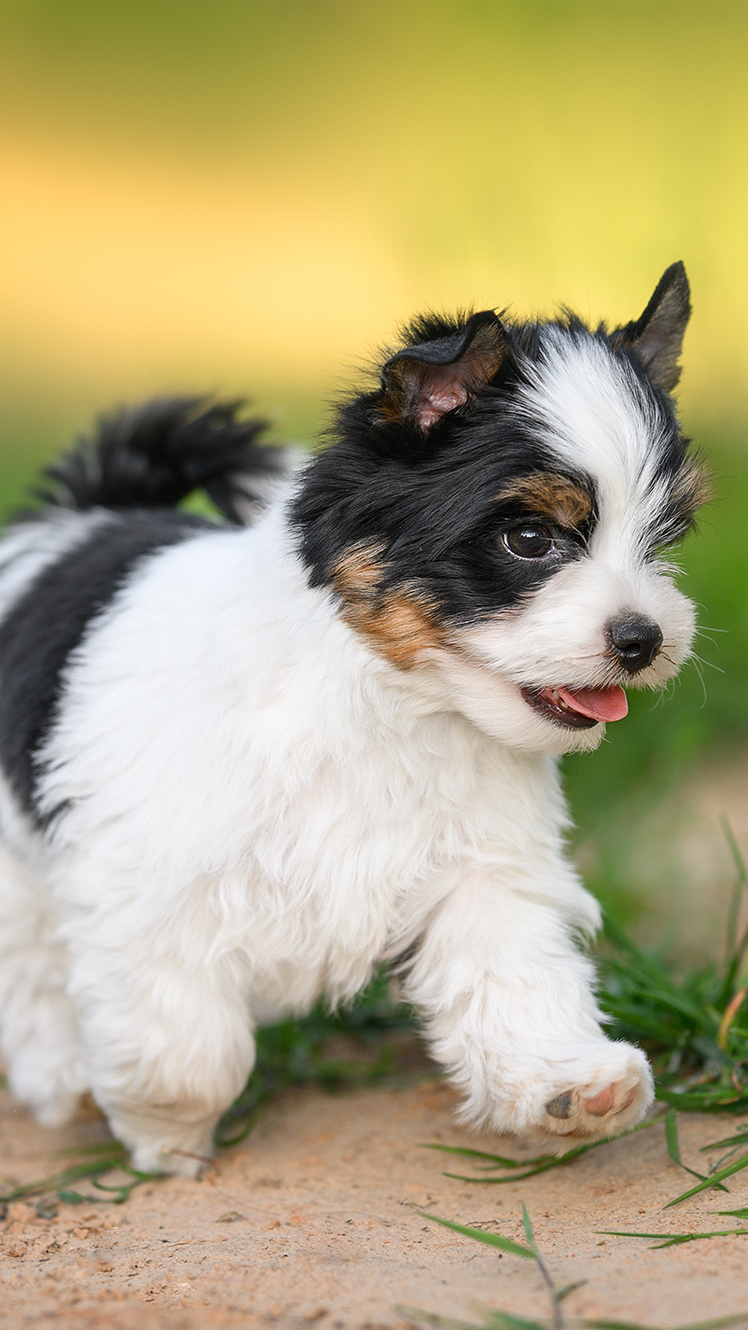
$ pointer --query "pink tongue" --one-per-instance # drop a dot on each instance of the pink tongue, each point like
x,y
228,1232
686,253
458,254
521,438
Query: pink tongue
x,y
600,703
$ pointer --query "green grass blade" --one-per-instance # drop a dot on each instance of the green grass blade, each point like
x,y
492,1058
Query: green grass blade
x,y
720,1323
543,1162
62,1183
707,1099
510,1177
727,1172
738,1318
733,948
681,1240
671,1138
433,1318
673,1149
507,1321
54,1181
527,1225
651,976
564,1292
502,1320
674,1239
112,1149
497,1161
596,1324
495,1320
740,1139
480,1235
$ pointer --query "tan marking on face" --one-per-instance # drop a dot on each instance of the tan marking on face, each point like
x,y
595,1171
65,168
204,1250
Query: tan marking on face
x,y
395,623
553,497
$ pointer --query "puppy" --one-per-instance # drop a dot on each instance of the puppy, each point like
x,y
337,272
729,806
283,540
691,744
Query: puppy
x,y
246,763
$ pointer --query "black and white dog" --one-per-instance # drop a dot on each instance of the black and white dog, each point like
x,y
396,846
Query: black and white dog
x,y
246,763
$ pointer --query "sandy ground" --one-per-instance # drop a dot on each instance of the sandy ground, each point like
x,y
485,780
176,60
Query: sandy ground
x,y
314,1221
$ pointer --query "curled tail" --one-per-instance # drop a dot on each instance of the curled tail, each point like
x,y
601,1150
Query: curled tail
x,y
155,455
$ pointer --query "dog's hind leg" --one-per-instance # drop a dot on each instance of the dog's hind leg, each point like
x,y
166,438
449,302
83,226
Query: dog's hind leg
x,y
38,1031
168,1036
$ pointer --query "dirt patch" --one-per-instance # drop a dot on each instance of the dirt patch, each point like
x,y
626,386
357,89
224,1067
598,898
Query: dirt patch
x,y
314,1221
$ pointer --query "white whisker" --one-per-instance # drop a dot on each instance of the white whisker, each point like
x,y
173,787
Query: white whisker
x,y
699,670
700,663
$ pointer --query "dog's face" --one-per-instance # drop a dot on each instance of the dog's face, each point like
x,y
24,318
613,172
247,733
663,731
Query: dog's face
x,y
498,510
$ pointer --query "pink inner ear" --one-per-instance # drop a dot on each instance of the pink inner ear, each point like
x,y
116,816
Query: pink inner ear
x,y
417,390
441,390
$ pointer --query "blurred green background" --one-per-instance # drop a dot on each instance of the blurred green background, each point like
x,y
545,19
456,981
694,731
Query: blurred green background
x,y
247,197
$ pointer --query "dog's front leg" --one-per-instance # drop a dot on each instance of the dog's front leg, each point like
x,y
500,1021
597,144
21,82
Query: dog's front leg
x,y
511,1013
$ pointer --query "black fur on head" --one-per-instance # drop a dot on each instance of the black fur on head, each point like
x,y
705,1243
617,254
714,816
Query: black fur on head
x,y
416,467
429,474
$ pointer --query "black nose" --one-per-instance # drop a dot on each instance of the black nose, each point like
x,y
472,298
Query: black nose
x,y
634,640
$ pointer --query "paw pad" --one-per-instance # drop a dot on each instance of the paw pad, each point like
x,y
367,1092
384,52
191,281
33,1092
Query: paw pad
x,y
560,1107
601,1103
571,1105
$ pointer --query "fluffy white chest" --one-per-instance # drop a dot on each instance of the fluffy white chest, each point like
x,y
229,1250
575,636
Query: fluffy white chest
x,y
274,784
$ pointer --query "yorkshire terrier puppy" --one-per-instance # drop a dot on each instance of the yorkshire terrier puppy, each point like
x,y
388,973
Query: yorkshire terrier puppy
x,y
247,762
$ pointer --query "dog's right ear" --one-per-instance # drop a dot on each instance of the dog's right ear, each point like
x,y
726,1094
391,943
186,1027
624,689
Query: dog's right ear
x,y
420,384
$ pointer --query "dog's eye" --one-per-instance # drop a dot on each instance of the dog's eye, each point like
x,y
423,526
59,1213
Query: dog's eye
x,y
529,541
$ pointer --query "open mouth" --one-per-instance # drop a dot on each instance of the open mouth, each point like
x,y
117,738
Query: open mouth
x,y
578,708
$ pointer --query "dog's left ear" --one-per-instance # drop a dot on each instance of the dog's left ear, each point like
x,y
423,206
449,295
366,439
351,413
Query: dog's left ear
x,y
422,383
657,337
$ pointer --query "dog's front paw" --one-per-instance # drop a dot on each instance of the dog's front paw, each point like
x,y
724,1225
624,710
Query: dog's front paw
x,y
598,1090
602,1098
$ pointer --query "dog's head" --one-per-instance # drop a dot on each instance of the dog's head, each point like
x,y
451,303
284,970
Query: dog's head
x,y
498,508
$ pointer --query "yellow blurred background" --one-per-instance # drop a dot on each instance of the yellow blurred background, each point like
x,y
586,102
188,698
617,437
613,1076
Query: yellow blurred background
x,y
247,197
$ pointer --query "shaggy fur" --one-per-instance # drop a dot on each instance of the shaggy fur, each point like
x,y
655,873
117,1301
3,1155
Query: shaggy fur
x,y
245,764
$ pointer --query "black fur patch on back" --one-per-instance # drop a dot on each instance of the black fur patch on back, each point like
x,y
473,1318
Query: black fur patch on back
x,y
48,622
